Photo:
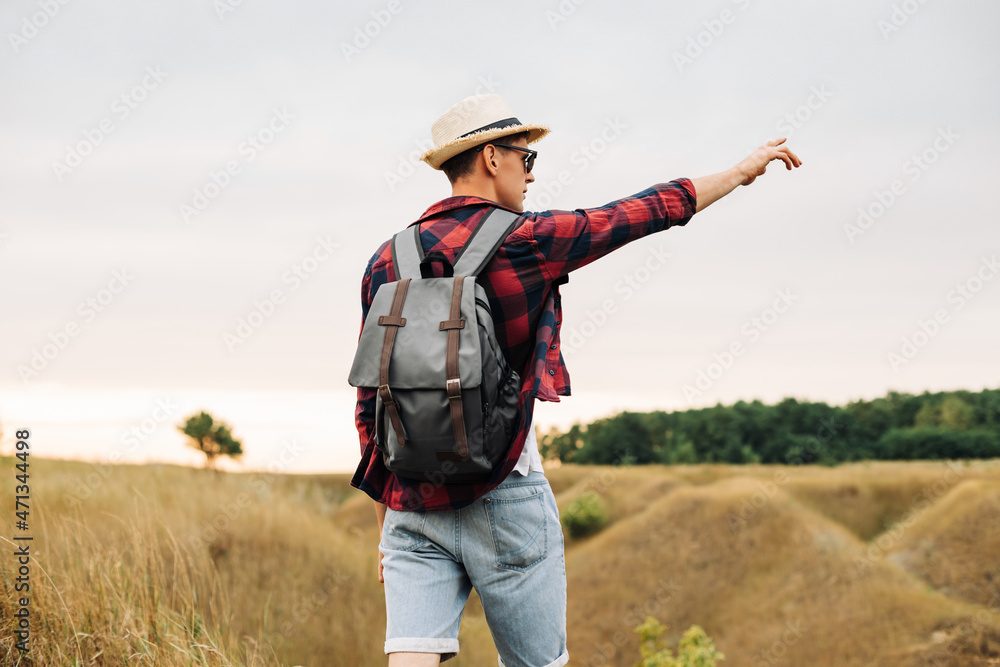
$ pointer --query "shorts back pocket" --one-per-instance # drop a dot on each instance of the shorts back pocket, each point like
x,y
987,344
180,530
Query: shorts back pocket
x,y
519,529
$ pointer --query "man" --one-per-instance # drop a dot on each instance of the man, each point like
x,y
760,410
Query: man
x,y
503,537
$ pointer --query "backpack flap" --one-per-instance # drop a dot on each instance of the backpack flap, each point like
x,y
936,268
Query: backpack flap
x,y
418,359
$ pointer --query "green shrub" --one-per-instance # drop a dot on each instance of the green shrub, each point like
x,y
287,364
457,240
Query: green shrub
x,y
695,649
932,442
683,452
585,516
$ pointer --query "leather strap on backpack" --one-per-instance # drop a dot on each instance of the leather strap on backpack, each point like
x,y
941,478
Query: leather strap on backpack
x,y
454,383
392,322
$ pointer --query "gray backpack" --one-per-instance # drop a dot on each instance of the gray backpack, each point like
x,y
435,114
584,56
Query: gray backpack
x,y
447,398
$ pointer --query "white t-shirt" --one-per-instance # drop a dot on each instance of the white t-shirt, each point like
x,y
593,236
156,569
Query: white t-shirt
x,y
530,459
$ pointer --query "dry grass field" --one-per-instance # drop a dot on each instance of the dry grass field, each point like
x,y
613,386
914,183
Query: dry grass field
x,y
887,564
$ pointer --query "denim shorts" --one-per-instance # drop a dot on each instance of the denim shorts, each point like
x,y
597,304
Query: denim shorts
x,y
508,545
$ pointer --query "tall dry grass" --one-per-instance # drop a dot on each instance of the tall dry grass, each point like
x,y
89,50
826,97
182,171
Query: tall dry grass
x,y
112,582
174,566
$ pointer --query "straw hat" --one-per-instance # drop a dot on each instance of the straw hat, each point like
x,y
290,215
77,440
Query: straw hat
x,y
473,121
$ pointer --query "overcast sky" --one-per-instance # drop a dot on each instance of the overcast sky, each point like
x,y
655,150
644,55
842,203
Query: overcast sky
x,y
169,169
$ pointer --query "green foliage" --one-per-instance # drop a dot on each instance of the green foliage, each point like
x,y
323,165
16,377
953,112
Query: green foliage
x,y
683,452
951,413
585,516
561,446
944,425
696,649
931,442
210,437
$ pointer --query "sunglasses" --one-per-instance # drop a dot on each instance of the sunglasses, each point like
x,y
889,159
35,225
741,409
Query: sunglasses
x,y
529,159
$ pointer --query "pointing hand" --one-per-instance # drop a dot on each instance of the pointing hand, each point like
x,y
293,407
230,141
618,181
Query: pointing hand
x,y
755,165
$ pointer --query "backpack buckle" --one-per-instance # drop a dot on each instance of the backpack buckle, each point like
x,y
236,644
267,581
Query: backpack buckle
x,y
386,395
454,389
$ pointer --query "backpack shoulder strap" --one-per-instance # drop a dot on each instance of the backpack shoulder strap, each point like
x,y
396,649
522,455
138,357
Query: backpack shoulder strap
x,y
485,241
407,253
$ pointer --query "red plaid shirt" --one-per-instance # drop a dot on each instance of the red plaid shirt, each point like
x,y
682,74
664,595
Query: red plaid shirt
x,y
522,283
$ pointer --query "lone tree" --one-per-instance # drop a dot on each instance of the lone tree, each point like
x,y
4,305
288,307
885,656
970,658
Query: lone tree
x,y
210,437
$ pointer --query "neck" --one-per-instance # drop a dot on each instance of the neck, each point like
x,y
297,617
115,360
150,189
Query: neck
x,y
468,188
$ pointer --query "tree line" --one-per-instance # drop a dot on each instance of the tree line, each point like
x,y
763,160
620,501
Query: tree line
x,y
898,426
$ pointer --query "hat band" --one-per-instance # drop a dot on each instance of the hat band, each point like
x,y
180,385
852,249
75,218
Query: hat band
x,y
506,122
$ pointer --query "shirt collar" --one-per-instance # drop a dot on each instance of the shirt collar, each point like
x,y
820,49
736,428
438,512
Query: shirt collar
x,y
452,203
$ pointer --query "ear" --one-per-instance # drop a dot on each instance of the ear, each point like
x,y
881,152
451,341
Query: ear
x,y
490,160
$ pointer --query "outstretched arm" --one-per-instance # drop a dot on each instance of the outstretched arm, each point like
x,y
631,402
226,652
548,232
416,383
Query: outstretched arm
x,y
717,186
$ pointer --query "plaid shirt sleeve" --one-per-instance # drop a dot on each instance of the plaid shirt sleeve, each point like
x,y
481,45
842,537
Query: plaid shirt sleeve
x,y
568,240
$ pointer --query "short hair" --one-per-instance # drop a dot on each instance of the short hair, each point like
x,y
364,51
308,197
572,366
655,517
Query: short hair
x,y
461,165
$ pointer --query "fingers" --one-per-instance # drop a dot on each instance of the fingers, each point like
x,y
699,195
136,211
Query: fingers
x,y
782,152
795,158
788,157
756,164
